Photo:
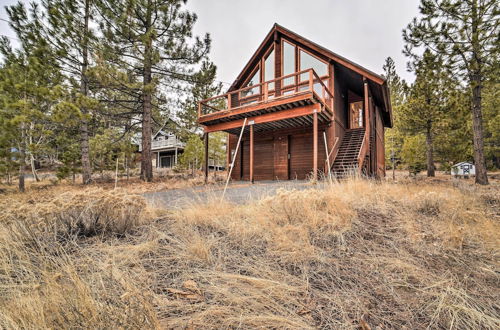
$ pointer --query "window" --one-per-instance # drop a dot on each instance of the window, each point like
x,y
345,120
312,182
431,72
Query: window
x,y
356,115
288,62
269,69
308,61
255,80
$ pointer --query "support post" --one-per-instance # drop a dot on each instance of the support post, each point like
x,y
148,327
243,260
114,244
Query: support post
x,y
367,122
206,157
158,159
315,144
234,159
251,153
175,162
327,156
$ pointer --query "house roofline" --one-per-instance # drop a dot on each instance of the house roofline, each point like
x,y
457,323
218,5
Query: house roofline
x,y
379,79
372,76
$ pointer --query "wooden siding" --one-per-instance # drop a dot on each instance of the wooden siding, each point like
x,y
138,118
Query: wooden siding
x,y
301,155
380,142
280,156
271,154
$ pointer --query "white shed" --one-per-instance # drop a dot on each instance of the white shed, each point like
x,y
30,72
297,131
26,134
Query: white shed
x,y
463,169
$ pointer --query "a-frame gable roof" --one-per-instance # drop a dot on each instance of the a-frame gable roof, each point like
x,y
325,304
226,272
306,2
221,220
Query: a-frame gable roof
x,y
306,42
373,78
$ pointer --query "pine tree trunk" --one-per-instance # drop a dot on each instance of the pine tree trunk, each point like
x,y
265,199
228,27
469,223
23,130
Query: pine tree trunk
x,y
476,85
22,161
477,127
146,163
430,150
84,134
33,170
32,158
22,168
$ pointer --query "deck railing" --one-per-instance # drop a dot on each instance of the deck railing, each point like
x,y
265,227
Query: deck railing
x,y
170,142
286,86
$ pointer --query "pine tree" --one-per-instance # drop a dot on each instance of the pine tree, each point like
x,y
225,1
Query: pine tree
x,y
151,39
66,26
29,85
394,137
412,153
216,148
204,87
465,34
424,109
193,153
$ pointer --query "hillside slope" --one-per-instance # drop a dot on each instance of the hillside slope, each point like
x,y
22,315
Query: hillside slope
x,y
357,254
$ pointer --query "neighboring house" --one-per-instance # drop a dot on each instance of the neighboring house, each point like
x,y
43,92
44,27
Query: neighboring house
x,y
463,169
165,149
298,103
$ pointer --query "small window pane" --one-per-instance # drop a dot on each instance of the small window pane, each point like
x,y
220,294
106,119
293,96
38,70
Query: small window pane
x,y
310,62
269,69
288,62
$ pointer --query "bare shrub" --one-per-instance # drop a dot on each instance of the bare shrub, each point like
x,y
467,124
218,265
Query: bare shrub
x,y
82,213
351,254
45,284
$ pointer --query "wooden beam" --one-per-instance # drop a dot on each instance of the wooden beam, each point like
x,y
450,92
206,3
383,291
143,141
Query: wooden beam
x,y
367,120
206,156
251,153
328,54
267,117
254,107
315,145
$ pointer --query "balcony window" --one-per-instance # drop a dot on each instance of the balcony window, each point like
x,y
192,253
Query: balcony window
x,y
269,69
288,62
307,61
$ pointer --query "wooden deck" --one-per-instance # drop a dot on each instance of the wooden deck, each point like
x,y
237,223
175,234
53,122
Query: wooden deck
x,y
283,106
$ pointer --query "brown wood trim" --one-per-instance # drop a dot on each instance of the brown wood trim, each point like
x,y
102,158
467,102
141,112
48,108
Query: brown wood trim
x,y
315,145
329,54
248,108
206,156
251,153
268,117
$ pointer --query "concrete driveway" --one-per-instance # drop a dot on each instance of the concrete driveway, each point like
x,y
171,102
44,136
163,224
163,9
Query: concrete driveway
x,y
239,192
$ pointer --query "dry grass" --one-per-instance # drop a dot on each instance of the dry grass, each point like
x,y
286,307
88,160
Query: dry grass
x,y
356,254
164,179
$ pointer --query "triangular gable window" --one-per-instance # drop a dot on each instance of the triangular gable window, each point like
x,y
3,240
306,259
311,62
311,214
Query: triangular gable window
x,y
255,80
308,61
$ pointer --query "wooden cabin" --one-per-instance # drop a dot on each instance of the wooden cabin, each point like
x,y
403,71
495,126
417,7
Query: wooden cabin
x,y
301,110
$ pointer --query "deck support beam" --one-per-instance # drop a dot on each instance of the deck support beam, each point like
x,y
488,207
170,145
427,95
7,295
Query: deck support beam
x,y
251,154
266,118
315,145
368,126
206,157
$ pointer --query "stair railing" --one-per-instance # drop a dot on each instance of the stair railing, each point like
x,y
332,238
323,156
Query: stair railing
x,y
363,150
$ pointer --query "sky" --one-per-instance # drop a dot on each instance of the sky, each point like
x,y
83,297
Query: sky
x,y
364,31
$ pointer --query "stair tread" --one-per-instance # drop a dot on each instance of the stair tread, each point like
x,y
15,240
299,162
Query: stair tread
x,y
346,160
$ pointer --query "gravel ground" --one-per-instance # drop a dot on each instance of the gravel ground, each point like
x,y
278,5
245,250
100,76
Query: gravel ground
x,y
237,192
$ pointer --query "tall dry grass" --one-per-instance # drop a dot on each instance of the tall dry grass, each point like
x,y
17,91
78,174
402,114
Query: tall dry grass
x,y
355,254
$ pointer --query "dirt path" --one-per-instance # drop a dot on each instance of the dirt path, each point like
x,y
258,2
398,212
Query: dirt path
x,y
237,192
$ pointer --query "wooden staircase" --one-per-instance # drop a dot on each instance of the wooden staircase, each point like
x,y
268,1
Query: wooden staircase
x,y
346,162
